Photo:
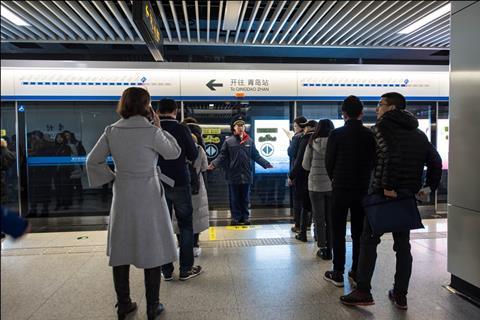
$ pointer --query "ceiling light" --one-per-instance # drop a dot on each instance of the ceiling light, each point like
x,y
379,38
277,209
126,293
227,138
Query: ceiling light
x,y
427,19
232,13
12,17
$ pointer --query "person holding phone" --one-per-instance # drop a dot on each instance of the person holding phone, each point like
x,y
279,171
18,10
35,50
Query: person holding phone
x,y
140,230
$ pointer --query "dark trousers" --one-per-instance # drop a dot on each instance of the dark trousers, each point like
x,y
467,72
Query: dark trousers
x,y
239,201
179,199
342,201
196,236
303,198
368,257
321,212
121,277
297,207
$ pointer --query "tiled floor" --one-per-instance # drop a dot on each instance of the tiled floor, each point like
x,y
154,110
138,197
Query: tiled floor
x,y
66,276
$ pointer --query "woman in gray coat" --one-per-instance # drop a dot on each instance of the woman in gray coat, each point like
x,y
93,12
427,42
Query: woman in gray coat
x,y
140,230
320,186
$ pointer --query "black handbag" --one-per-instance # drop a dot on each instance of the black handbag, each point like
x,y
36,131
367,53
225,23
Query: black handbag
x,y
392,214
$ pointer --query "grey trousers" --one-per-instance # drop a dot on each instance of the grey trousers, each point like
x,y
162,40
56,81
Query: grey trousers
x,y
321,211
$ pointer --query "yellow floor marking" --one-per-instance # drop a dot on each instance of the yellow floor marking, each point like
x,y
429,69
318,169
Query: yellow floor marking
x,y
212,233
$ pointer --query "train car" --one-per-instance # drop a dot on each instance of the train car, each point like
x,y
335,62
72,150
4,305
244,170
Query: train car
x,y
42,100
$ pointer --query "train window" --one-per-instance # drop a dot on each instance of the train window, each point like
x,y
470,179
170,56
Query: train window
x,y
59,135
9,181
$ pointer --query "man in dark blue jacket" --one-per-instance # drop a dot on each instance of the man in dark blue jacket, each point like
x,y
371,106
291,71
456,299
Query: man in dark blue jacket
x,y
176,181
235,158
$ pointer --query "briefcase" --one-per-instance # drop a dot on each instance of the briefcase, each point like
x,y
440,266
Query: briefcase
x,y
392,214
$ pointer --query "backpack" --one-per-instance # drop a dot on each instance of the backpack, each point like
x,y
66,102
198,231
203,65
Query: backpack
x,y
194,179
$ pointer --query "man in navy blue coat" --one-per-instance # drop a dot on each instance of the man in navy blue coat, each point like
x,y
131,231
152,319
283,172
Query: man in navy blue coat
x,y
236,157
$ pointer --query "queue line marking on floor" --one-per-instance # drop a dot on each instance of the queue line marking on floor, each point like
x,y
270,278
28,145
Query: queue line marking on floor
x,y
242,228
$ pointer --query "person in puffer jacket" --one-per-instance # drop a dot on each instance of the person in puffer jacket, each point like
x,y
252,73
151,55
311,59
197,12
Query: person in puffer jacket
x,y
236,157
402,151
320,186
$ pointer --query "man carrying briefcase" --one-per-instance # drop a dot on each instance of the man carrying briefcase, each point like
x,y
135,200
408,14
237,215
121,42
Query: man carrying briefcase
x,y
402,151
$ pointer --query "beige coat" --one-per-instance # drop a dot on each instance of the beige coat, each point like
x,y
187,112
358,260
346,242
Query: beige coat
x,y
140,230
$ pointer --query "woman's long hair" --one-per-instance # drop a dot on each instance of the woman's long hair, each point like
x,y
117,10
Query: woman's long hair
x,y
323,129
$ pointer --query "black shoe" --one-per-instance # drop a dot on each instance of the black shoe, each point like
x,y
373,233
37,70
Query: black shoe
x,y
234,222
247,222
400,301
295,229
192,273
153,313
124,310
352,276
335,277
324,253
302,237
357,298
167,276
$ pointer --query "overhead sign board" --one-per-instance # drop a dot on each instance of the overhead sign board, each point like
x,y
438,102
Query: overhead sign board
x,y
146,22
229,83
225,84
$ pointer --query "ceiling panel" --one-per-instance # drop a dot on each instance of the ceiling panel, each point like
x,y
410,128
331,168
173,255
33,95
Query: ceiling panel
x,y
367,24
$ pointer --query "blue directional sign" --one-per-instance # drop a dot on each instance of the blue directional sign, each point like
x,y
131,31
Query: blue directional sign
x,y
21,109
211,150
267,150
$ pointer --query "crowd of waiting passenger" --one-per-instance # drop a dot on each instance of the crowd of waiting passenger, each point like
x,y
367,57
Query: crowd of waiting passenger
x,y
159,178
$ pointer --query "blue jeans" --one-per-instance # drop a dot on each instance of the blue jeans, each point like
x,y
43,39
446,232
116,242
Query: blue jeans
x,y
239,201
180,199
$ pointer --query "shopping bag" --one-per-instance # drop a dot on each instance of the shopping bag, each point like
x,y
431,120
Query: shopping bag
x,y
392,214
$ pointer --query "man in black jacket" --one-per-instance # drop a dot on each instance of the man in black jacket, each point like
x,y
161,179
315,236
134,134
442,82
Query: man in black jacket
x,y
349,162
176,181
298,125
235,158
299,178
402,152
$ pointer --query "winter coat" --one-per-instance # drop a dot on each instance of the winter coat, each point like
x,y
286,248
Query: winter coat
x,y
314,161
293,147
237,159
350,156
201,214
402,152
140,229
177,169
298,174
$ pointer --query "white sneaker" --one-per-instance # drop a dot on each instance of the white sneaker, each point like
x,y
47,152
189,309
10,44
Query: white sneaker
x,y
197,251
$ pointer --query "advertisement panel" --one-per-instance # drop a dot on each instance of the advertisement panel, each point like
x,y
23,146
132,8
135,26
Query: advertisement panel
x,y
271,140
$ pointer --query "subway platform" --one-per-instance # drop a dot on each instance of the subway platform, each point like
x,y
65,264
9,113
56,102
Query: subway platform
x,y
255,272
